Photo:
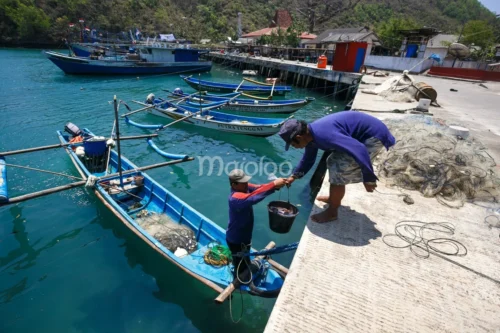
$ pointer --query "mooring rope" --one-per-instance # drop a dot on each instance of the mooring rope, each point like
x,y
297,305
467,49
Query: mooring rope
x,y
412,234
43,171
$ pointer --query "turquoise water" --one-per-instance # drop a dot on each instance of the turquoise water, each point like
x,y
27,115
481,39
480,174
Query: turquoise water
x,y
66,263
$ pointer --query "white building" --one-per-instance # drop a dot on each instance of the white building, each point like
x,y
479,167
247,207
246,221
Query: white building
x,y
414,57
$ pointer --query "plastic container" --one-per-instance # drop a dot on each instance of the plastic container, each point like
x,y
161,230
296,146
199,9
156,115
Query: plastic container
x,y
95,147
322,61
423,104
139,180
280,222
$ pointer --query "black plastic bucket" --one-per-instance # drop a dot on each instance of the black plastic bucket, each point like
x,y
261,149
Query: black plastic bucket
x,y
279,221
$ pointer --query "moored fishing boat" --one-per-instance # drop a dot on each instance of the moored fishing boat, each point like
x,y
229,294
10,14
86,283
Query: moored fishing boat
x,y
263,89
207,118
247,105
152,59
140,197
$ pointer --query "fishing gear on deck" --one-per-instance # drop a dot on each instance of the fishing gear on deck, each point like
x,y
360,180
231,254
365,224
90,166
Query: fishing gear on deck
x,y
217,255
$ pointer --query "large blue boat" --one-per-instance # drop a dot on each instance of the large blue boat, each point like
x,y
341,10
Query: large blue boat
x,y
158,58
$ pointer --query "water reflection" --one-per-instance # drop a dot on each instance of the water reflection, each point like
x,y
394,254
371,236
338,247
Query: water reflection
x,y
25,256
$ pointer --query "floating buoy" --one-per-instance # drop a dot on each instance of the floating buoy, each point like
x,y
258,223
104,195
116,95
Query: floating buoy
x,y
80,151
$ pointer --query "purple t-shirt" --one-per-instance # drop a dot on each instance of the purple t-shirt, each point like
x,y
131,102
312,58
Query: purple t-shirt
x,y
345,131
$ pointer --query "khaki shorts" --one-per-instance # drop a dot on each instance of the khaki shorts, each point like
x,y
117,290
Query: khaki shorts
x,y
344,169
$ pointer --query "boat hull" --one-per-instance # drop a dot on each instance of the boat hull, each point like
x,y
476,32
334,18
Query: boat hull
x,y
81,66
159,200
229,88
261,107
254,130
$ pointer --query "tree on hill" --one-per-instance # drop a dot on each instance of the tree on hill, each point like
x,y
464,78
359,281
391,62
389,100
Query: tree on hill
x,y
388,31
318,12
479,33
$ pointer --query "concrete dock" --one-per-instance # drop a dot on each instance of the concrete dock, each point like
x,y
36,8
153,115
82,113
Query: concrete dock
x,y
344,278
300,74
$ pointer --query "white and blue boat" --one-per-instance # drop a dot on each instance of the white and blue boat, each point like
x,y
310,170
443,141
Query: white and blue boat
x,y
157,58
246,105
207,118
135,195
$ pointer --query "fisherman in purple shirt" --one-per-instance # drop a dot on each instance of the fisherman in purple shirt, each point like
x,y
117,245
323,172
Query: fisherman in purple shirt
x,y
241,200
354,139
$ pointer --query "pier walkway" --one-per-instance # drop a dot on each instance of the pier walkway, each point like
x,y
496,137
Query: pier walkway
x,y
344,278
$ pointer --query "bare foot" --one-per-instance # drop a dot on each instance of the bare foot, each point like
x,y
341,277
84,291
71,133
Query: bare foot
x,y
323,198
325,216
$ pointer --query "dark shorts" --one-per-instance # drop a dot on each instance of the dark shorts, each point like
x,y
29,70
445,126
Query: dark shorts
x,y
236,248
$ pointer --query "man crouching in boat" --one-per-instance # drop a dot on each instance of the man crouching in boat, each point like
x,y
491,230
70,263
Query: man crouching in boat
x,y
354,140
243,196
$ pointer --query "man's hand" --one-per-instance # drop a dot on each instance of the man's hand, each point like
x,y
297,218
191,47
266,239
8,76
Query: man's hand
x,y
289,181
279,183
370,187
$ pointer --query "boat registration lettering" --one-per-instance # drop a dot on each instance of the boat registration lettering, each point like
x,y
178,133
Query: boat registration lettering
x,y
241,128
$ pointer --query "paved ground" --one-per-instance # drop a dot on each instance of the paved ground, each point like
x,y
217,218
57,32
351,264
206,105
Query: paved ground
x,y
344,278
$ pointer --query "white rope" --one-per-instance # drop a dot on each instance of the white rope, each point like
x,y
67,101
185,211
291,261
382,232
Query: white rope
x,y
91,181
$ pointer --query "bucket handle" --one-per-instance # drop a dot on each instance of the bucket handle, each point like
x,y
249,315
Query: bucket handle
x,y
279,194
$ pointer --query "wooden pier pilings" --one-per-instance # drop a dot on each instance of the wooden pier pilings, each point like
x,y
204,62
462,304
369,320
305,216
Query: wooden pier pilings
x,y
340,85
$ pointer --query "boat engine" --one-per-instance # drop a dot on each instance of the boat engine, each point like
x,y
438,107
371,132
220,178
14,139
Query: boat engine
x,y
72,129
178,91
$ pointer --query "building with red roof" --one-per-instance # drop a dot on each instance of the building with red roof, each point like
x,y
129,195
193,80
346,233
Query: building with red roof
x,y
282,21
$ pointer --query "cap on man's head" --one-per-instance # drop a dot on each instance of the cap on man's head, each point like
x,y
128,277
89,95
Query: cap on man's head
x,y
238,176
289,130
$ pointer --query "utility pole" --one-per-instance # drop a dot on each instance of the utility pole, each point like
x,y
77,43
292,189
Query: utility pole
x,y
81,28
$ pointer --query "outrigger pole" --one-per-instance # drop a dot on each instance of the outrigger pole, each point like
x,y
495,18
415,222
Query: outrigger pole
x,y
60,145
117,122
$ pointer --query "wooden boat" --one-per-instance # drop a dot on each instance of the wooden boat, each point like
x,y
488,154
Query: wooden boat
x,y
228,87
151,60
139,193
211,119
248,105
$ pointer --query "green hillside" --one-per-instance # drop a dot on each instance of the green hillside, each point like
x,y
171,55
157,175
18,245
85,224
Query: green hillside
x,y
47,20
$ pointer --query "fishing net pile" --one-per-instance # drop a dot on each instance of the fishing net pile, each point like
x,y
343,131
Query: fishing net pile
x,y
429,158
400,89
168,232
396,89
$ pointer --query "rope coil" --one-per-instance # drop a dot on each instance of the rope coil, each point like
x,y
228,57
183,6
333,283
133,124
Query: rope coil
x,y
217,255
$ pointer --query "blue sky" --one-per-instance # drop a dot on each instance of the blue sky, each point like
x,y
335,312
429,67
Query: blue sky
x,y
493,5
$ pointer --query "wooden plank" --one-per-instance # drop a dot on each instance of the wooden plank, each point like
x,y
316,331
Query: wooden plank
x,y
232,287
278,266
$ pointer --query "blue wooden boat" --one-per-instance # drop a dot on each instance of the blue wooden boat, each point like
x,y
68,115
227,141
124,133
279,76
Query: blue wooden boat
x,y
141,195
247,105
207,118
151,60
229,87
